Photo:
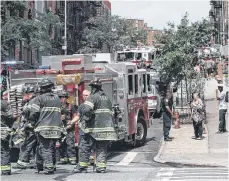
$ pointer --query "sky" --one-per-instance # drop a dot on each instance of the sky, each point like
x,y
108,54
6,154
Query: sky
x,y
156,13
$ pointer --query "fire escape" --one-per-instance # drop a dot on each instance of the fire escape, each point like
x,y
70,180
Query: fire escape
x,y
78,12
217,20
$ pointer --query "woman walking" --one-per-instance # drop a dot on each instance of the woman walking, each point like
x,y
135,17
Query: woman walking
x,y
197,116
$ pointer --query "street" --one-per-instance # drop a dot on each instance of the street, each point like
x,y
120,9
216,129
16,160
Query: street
x,y
126,164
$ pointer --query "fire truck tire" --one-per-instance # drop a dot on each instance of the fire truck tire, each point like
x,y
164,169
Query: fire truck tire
x,y
140,137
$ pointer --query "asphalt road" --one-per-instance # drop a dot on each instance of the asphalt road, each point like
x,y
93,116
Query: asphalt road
x,y
129,164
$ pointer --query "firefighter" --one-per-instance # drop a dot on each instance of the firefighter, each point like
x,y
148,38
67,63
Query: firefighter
x,y
67,148
99,128
78,120
167,114
29,144
45,116
6,117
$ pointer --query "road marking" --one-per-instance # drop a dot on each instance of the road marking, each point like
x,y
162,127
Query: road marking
x,y
164,174
128,158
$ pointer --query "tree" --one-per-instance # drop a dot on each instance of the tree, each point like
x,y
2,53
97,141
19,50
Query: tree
x,y
35,33
107,33
179,53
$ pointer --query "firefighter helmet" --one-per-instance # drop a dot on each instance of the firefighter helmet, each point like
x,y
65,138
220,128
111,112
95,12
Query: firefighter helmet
x,y
46,83
95,82
29,89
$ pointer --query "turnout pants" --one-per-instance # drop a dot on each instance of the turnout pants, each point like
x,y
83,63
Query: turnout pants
x,y
87,143
27,148
5,157
167,123
46,153
70,142
67,148
222,120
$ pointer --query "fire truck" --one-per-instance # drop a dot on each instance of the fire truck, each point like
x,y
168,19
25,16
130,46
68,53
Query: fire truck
x,y
143,57
124,83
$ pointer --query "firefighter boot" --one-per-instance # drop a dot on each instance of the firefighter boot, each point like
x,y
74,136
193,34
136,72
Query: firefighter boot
x,y
79,169
6,173
49,171
39,168
100,170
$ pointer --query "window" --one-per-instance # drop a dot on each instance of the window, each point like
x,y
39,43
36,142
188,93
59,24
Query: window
x,y
130,83
144,83
136,83
148,82
138,56
125,56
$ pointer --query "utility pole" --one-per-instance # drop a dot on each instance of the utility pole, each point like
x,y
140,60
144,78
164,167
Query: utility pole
x,y
65,27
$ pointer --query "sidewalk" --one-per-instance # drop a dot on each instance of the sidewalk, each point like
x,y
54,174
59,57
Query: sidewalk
x,y
211,151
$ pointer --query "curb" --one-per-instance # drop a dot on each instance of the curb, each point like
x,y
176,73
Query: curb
x,y
157,157
207,137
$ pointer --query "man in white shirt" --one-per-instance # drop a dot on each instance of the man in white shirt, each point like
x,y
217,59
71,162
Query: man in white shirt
x,y
222,108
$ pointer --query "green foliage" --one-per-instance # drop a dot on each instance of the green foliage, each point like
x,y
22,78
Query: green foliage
x,y
179,53
35,33
111,32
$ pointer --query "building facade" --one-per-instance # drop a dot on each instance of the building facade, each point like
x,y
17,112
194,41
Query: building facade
x,y
139,23
78,12
219,19
104,9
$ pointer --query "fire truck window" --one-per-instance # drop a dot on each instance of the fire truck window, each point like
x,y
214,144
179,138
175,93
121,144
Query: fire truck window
x,y
138,56
130,83
148,82
136,83
144,83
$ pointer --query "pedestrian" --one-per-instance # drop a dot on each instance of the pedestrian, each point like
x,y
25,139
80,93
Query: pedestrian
x,y
167,114
99,128
67,148
45,116
197,115
221,96
6,117
29,144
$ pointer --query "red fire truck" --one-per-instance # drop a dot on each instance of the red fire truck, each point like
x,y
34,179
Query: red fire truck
x,y
124,83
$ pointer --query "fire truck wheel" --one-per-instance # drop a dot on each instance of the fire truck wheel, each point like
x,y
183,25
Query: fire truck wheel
x,y
141,134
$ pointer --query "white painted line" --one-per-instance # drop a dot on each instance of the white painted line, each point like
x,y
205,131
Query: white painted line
x,y
198,168
157,157
165,173
196,173
128,158
200,177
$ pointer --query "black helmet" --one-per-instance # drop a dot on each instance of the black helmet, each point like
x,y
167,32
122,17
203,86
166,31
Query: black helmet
x,y
62,93
29,89
46,83
95,82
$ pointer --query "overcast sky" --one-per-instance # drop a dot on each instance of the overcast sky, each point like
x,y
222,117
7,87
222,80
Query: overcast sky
x,y
157,12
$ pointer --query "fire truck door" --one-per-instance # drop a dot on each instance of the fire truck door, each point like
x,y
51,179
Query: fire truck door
x,y
130,100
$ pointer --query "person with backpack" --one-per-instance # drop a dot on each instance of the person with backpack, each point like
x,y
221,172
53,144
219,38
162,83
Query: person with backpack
x,y
223,101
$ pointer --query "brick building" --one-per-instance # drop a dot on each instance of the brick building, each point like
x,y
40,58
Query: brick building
x,y
104,9
78,12
139,23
